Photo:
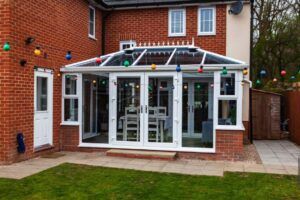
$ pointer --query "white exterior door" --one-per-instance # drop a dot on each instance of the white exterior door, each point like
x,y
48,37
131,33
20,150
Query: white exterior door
x,y
43,108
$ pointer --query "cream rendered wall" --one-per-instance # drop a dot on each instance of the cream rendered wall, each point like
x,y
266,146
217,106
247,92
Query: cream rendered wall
x,y
238,44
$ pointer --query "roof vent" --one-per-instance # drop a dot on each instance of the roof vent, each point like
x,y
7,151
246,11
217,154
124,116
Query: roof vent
x,y
236,8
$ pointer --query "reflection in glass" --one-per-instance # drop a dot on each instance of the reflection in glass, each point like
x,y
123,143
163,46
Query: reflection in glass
x,y
227,84
70,84
227,112
160,111
71,110
197,110
119,59
95,108
186,57
128,109
156,56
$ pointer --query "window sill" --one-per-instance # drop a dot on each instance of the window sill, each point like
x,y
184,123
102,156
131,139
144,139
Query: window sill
x,y
182,35
206,34
69,124
230,128
92,37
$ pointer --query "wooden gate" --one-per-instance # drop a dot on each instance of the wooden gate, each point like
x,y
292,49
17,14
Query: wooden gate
x,y
266,115
292,107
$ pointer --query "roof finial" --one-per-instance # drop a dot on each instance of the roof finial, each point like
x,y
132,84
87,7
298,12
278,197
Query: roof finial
x,y
193,41
168,43
173,43
163,43
149,43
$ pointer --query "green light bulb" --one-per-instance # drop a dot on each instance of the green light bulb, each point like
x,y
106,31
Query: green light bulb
x,y
6,46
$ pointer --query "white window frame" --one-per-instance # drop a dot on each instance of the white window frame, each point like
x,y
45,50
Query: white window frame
x,y
72,96
238,97
213,32
183,23
131,43
93,36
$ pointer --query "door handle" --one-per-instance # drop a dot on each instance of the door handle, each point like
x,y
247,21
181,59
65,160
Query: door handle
x,y
146,109
141,109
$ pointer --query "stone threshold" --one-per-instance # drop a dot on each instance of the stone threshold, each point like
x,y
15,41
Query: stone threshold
x,y
160,155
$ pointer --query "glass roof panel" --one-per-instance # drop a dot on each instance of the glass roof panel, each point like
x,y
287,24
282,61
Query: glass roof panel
x,y
93,63
129,55
185,56
156,56
214,59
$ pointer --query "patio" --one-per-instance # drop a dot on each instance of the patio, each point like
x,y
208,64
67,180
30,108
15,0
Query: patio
x,y
191,167
278,152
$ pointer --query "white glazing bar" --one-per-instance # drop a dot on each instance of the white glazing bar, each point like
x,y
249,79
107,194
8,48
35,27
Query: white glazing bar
x,y
203,59
171,56
139,58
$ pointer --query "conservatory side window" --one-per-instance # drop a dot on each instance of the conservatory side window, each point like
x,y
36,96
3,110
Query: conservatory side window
x,y
229,100
70,99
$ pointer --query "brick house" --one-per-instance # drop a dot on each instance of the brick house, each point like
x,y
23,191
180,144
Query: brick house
x,y
96,75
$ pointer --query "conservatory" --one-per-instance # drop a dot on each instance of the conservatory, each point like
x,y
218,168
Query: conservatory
x,y
170,97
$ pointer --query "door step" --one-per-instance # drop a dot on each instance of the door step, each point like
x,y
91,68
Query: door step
x,y
160,155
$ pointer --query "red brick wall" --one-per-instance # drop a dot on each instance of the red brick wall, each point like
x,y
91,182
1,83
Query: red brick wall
x,y
4,84
57,26
151,25
229,146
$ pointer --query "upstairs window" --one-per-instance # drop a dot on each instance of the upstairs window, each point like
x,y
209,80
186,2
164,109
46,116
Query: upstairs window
x,y
92,14
177,22
207,21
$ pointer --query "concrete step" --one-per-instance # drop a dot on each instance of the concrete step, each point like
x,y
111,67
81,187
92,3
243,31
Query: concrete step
x,y
160,155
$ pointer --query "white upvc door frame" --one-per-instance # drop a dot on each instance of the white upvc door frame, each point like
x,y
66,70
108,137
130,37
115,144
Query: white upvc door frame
x,y
113,99
49,75
175,121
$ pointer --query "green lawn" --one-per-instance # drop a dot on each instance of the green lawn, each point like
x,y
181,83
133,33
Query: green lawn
x,y
70,181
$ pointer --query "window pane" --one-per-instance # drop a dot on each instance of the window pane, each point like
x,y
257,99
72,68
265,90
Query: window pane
x,y
197,110
119,59
92,32
128,109
227,112
156,56
215,59
227,84
42,94
206,23
92,14
184,57
71,110
70,84
177,21
160,106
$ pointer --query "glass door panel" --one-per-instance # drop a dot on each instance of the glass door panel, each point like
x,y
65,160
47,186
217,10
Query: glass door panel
x,y
128,109
200,106
185,108
159,109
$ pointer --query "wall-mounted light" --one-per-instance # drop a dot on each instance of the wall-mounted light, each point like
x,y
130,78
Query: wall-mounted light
x,y
29,40
23,62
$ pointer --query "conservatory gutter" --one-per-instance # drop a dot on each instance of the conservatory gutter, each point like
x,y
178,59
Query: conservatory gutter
x,y
193,67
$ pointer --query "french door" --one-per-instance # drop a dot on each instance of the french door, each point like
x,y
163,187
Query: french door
x,y
143,109
195,106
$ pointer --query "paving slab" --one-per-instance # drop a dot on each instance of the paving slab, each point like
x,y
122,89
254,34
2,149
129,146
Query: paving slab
x,y
278,152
